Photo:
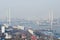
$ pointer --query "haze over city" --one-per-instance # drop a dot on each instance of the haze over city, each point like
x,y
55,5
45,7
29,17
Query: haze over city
x,y
31,9
29,19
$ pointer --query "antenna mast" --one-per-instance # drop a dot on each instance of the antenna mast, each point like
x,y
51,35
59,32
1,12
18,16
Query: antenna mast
x,y
51,23
9,17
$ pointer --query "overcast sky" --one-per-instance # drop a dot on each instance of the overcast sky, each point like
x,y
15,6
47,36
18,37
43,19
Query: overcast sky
x,y
31,9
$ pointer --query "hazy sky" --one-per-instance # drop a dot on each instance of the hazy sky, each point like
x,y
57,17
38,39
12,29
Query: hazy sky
x,y
31,9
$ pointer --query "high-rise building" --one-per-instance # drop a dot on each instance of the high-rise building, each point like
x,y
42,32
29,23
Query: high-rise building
x,y
2,29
